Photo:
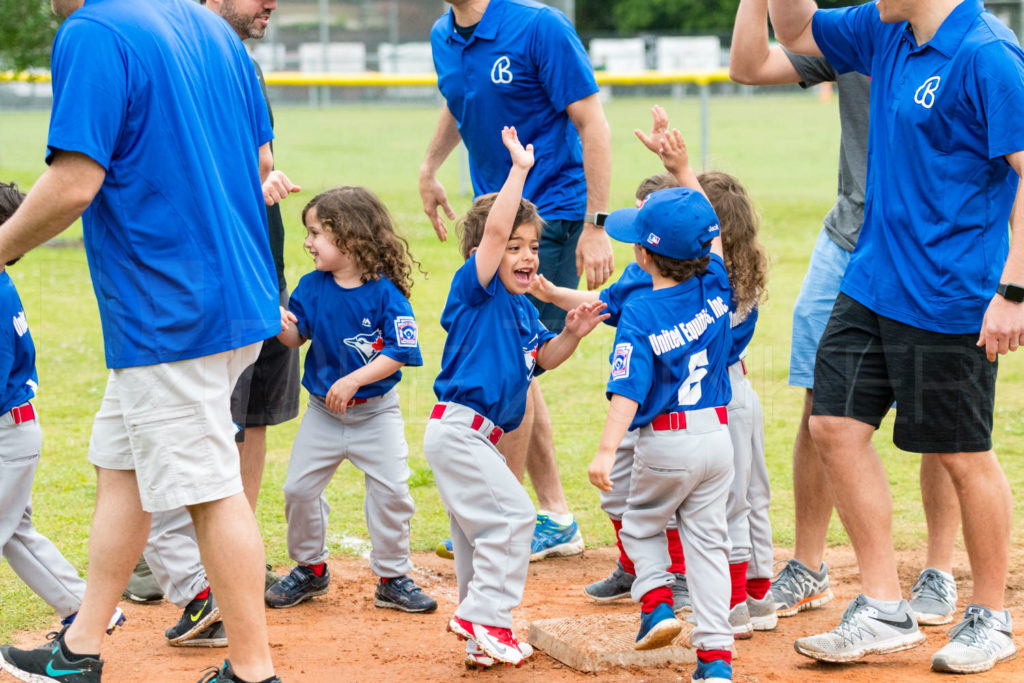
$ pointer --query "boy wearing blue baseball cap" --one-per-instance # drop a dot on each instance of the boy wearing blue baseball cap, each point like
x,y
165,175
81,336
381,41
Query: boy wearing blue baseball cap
x,y
669,381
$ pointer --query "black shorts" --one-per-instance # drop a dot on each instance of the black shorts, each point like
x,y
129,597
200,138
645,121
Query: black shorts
x,y
943,385
267,392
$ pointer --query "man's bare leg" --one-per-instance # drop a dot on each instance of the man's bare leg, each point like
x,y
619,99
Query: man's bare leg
x,y
232,553
986,504
941,511
861,492
252,456
812,497
118,535
540,457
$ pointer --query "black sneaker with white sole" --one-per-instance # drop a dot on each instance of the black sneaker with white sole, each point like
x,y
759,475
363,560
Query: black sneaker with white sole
x,y
195,618
50,663
402,593
613,587
213,635
300,585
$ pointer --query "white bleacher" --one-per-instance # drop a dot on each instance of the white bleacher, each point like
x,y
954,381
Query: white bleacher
x,y
617,55
407,58
696,53
342,58
271,56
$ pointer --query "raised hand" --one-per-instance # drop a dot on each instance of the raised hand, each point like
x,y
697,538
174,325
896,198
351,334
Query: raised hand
x,y
673,153
581,320
659,129
522,157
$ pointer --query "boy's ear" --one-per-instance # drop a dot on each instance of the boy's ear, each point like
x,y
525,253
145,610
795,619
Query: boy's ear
x,y
473,250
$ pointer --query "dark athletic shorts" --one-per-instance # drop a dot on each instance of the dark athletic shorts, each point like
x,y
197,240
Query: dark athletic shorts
x,y
267,392
943,385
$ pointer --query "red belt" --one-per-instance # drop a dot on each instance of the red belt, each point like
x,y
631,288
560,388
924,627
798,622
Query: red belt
x,y
23,413
478,421
676,421
356,402
744,366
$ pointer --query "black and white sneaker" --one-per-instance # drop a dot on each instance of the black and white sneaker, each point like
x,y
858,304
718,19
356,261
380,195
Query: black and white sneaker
x,y
226,674
402,593
195,618
213,635
49,664
300,585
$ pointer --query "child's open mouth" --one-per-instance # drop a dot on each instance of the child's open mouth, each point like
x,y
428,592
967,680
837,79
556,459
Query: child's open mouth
x,y
523,275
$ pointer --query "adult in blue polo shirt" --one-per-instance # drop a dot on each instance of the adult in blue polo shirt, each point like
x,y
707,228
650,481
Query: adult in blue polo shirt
x,y
159,134
520,63
931,289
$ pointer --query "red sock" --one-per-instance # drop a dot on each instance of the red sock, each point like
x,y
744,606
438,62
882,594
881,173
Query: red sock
x,y
675,551
203,594
627,564
758,588
711,655
318,569
655,597
738,574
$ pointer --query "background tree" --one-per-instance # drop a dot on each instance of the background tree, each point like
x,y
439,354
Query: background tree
x,y
26,32
627,17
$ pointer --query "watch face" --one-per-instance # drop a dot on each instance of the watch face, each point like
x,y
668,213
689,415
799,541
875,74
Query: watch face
x,y
1011,292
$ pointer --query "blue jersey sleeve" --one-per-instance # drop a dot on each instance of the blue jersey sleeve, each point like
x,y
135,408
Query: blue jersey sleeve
x,y
302,304
847,36
634,280
632,362
562,63
90,91
997,91
466,285
401,335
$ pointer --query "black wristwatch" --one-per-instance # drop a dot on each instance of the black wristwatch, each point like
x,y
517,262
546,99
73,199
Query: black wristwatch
x,y
1014,293
595,218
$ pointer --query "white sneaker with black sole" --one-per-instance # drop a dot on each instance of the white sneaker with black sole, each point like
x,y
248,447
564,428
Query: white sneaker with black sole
x,y
977,643
864,630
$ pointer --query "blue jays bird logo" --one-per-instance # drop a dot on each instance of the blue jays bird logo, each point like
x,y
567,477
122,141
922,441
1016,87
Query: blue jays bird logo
x,y
530,357
368,345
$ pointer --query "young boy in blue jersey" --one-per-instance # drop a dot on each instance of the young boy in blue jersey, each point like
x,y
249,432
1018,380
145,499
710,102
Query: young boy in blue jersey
x,y
669,381
495,343
32,556
354,310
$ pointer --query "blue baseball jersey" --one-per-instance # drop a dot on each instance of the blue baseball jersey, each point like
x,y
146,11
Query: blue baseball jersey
x,y
348,328
163,96
742,332
490,354
523,65
634,281
17,352
939,190
672,346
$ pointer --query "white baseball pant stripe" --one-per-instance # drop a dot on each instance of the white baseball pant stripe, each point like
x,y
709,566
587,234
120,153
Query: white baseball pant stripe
x,y
492,517
684,475
372,437
32,556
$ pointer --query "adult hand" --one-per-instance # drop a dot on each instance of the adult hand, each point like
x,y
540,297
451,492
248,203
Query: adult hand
x,y
276,187
435,200
659,129
594,254
1002,329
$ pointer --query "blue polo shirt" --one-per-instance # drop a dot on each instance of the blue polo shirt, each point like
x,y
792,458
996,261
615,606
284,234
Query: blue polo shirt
x,y
18,378
490,354
521,67
348,328
162,94
672,347
939,192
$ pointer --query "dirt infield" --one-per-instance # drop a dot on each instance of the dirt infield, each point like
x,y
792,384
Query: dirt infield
x,y
342,637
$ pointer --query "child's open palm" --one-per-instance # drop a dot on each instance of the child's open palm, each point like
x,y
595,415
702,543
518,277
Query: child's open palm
x,y
522,157
581,320
659,129
673,153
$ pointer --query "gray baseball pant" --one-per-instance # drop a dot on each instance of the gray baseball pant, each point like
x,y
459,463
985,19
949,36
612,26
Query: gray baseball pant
x,y
684,475
746,427
31,555
492,517
372,436
172,553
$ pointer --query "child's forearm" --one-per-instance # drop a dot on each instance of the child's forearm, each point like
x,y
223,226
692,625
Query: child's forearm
x,y
291,338
503,214
555,351
687,177
567,298
377,369
621,411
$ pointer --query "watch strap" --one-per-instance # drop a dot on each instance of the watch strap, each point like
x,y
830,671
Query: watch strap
x,y
596,218
1011,292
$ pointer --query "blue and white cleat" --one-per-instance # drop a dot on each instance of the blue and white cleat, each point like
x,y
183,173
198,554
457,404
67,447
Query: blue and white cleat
x,y
444,549
551,539
658,628
715,671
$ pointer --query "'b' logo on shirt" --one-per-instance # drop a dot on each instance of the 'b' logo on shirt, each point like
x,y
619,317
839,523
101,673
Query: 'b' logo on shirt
x,y
925,95
500,72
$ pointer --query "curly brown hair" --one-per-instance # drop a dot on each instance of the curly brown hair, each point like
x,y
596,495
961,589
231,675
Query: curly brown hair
x,y
744,255
658,181
679,270
362,227
10,199
471,227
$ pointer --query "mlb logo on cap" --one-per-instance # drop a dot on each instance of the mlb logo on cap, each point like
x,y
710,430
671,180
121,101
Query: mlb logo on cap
x,y
677,222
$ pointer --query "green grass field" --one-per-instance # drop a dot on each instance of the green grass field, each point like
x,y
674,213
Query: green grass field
x,y
783,148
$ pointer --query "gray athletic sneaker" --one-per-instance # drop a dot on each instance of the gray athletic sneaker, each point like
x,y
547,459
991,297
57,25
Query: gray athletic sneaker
x,y
613,587
797,587
977,643
933,598
762,613
739,619
864,630
680,595
142,586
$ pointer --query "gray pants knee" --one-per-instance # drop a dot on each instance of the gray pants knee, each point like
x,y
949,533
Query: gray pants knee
x,y
172,554
492,517
372,436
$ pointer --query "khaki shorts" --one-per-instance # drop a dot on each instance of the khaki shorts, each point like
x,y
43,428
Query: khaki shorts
x,y
171,423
